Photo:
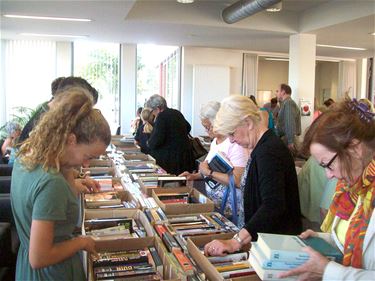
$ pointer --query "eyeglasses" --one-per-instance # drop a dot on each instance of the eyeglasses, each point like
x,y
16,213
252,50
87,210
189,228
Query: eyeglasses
x,y
208,128
328,165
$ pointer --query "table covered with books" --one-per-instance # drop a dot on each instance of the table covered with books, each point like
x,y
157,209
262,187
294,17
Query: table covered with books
x,y
148,225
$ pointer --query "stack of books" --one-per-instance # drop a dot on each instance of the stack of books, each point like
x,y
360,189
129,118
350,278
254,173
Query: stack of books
x,y
275,253
232,265
130,265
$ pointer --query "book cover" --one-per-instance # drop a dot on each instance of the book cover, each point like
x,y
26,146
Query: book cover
x,y
288,248
269,264
219,163
267,274
278,247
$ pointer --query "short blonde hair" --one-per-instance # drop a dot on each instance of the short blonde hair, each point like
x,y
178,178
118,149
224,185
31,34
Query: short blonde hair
x,y
233,112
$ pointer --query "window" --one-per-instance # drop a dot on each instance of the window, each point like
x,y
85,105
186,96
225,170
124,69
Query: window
x,y
158,73
98,63
30,67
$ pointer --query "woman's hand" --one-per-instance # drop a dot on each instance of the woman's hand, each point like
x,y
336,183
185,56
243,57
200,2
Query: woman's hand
x,y
204,168
220,247
308,233
312,270
88,245
190,176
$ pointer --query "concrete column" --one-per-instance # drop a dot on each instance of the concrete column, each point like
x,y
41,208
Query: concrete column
x,y
302,57
128,82
64,59
361,78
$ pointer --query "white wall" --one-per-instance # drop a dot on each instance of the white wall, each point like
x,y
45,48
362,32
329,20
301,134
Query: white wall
x,y
209,83
209,57
271,74
326,80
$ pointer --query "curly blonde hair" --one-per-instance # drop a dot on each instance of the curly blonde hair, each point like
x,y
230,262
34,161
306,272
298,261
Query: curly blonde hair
x,y
233,112
72,112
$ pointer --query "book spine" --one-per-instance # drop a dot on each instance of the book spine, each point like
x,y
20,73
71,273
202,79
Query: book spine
x,y
183,261
156,259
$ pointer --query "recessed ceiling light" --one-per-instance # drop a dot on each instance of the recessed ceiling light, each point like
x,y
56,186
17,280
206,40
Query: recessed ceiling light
x,y
372,33
341,47
275,8
53,35
45,18
185,1
277,59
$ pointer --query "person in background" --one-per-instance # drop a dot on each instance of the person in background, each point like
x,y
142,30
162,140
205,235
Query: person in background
x,y
265,115
236,154
269,182
273,106
43,194
137,122
169,142
342,140
144,131
7,147
58,85
289,119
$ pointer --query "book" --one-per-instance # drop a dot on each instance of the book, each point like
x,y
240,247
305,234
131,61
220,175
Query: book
x,y
278,247
119,258
156,259
269,264
219,163
96,224
183,260
236,257
267,274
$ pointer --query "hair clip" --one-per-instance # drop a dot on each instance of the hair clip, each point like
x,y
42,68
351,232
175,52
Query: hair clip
x,y
362,109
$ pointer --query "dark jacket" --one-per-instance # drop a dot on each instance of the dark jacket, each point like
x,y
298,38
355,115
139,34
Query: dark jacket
x,y
169,142
271,200
142,139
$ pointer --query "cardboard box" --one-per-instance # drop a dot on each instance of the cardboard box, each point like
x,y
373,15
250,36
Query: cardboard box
x,y
94,171
138,158
102,246
119,213
205,206
204,263
100,163
124,196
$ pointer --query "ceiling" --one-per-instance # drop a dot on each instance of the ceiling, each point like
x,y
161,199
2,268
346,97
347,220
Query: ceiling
x,y
166,22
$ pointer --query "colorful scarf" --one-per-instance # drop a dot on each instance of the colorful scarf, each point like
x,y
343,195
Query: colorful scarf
x,y
343,205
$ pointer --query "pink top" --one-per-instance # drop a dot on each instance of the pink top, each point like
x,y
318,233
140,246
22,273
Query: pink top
x,y
235,153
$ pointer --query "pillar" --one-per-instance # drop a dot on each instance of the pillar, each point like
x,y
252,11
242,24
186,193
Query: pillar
x,y
302,57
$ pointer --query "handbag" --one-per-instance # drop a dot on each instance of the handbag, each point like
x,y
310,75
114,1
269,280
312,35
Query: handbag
x,y
230,190
197,147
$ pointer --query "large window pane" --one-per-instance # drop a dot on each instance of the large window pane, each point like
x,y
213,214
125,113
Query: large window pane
x,y
158,73
98,63
29,69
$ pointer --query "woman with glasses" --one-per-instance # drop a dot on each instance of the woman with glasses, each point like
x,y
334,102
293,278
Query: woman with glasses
x,y
269,183
342,140
216,182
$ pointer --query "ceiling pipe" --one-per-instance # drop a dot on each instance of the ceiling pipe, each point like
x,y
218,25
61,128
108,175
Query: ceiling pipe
x,y
244,8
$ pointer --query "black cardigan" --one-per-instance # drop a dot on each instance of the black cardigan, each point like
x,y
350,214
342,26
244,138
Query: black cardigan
x,y
271,199
169,142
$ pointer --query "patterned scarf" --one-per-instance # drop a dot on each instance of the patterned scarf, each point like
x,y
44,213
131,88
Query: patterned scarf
x,y
343,205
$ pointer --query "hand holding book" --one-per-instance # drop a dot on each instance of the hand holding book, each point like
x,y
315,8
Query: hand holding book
x,y
312,270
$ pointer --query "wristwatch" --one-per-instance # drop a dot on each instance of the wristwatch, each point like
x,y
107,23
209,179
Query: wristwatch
x,y
210,174
238,239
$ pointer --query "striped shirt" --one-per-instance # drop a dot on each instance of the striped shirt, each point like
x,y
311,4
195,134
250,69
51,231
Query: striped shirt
x,y
289,120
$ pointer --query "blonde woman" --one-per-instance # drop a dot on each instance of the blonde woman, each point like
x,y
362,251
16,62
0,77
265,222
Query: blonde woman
x,y
144,130
44,198
269,182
